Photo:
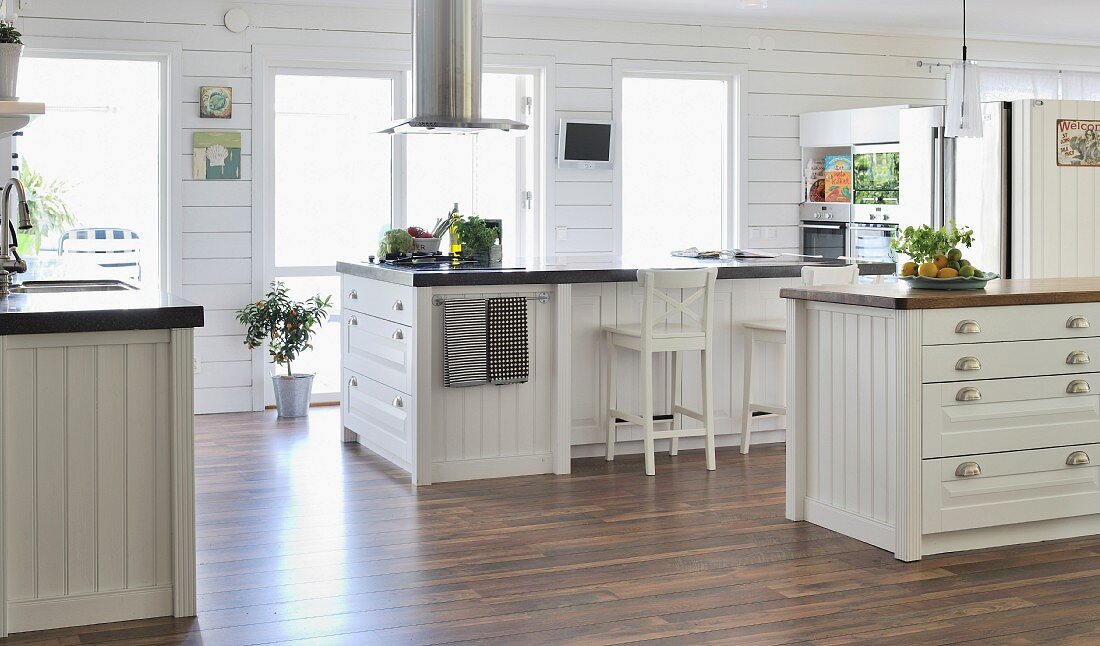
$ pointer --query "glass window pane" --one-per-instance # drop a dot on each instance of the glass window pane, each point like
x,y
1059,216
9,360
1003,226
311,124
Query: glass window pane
x,y
673,163
332,167
94,142
324,359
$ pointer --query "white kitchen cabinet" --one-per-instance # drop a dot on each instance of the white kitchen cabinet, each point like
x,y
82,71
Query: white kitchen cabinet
x,y
952,427
843,128
97,478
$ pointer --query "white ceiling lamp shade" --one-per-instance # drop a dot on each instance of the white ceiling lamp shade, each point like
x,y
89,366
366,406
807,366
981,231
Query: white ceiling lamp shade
x,y
964,95
964,101
754,4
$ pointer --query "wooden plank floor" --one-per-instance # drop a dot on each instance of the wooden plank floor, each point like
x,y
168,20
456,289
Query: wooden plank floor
x,y
304,539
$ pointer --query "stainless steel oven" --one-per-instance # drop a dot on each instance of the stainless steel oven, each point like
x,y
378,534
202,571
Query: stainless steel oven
x,y
824,229
870,233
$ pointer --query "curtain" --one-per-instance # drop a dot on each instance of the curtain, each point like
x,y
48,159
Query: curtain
x,y
1080,86
1009,84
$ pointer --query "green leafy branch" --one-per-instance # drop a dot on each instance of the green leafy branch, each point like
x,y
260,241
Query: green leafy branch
x,y
287,325
922,244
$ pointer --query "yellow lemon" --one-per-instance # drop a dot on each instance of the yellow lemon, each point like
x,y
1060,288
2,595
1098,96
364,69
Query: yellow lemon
x,y
940,261
947,272
928,270
909,269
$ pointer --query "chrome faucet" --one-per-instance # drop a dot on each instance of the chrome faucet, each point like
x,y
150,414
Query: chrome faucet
x,y
10,262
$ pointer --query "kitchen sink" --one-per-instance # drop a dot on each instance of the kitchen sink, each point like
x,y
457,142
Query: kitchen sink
x,y
61,286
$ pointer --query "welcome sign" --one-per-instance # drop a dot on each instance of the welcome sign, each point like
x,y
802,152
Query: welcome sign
x,y
1078,142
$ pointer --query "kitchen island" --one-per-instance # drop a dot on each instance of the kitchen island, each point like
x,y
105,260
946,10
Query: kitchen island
x,y
926,421
394,402
96,455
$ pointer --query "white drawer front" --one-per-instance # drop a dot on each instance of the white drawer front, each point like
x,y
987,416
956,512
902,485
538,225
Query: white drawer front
x,y
1016,487
1022,323
382,416
1017,359
379,348
378,298
971,417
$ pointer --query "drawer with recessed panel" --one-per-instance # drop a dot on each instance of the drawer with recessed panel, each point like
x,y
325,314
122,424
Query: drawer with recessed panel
x,y
379,348
970,361
989,416
987,490
989,324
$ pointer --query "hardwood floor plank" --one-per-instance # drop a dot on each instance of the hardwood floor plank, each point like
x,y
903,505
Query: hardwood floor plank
x,y
303,539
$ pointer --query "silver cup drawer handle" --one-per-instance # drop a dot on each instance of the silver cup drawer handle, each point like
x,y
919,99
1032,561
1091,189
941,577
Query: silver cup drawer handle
x,y
968,395
1077,322
1077,358
1078,387
968,327
1078,459
353,321
968,470
353,382
398,335
967,364
398,402
398,306
353,295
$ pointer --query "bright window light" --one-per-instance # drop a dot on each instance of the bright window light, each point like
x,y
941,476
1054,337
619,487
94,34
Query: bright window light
x,y
674,164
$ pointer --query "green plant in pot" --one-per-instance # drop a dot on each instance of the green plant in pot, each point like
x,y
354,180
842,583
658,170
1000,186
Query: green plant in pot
x,y
49,210
477,238
11,49
287,326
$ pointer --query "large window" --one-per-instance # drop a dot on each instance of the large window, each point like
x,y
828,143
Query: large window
x,y
338,184
94,165
674,162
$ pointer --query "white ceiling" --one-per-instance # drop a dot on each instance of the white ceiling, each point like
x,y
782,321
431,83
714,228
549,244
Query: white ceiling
x,y
1075,21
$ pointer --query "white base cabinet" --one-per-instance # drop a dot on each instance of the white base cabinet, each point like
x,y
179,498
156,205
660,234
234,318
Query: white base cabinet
x,y
394,402
97,483
925,431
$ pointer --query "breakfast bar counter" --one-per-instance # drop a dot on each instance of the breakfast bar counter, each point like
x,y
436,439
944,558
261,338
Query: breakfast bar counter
x,y
928,421
393,397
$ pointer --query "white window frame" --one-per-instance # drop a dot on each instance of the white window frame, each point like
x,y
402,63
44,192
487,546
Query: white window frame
x,y
169,56
735,222
268,60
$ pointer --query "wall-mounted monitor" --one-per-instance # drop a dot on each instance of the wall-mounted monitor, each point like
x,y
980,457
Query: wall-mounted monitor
x,y
585,144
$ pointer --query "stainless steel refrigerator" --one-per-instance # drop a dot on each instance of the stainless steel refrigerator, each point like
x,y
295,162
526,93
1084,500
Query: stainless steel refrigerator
x,y
968,180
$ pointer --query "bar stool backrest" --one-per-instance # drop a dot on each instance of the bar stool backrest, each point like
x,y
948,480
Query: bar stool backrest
x,y
817,276
697,286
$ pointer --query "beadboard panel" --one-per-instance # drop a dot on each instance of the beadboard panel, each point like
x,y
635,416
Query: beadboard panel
x,y
789,72
94,474
850,411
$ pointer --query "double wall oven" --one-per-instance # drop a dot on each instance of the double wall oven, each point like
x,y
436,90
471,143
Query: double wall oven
x,y
839,231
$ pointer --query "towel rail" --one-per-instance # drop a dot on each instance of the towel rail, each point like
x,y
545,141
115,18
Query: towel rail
x,y
542,297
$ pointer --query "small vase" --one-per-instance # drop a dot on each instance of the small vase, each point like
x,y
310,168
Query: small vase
x,y
10,54
292,394
427,245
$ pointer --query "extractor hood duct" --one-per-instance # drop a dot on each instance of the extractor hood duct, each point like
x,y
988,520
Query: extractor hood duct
x,y
447,71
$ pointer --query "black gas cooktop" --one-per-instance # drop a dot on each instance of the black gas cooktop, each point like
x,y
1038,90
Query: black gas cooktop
x,y
440,262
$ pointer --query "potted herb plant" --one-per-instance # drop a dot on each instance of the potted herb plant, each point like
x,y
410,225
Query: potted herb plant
x,y
11,49
287,326
477,238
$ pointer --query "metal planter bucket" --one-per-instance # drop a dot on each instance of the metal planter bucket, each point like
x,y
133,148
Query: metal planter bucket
x,y
292,394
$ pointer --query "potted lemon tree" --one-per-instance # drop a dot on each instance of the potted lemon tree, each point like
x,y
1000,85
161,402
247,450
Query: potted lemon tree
x,y
287,326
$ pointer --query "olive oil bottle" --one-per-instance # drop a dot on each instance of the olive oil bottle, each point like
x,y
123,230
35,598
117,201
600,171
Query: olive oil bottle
x,y
456,244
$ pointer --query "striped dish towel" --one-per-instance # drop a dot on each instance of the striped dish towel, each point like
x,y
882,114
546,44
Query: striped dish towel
x,y
465,343
509,362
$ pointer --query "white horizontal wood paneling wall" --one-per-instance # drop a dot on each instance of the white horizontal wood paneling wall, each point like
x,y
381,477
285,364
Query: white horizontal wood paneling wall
x,y
789,72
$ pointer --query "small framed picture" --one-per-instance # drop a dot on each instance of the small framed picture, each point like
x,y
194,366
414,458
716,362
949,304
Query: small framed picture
x,y
215,102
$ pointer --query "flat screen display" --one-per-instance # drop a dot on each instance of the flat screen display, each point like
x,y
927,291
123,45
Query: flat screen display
x,y
587,142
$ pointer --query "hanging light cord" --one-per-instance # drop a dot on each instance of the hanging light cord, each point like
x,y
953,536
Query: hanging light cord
x,y
964,29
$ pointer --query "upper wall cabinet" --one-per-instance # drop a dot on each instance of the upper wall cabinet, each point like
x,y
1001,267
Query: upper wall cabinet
x,y
850,127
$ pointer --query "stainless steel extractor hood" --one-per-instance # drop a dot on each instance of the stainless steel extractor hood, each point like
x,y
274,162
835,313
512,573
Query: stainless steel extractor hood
x,y
447,71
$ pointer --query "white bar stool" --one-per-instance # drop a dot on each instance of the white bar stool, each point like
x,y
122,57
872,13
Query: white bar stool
x,y
656,334
775,331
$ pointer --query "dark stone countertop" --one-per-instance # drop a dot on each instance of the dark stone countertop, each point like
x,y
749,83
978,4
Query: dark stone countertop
x,y
98,311
553,271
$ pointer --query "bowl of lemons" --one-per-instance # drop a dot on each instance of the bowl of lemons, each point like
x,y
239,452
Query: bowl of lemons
x,y
937,259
